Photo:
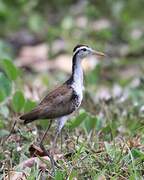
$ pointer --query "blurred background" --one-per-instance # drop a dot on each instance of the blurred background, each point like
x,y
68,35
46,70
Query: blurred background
x,y
36,42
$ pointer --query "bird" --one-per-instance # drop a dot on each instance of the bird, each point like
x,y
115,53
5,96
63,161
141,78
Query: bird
x,y
67,98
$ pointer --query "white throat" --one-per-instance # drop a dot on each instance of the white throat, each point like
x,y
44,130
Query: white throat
x,y
78,78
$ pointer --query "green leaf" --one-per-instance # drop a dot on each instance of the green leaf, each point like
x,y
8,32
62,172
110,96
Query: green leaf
x,y
111,150
2,95
94,75
67,23
36,22
4,111
44,123
3,132
78,120
99,124
2,157
18,101
137,154
59,175
10,69
29,105
5,48
73,175
1,124
5,87
90,123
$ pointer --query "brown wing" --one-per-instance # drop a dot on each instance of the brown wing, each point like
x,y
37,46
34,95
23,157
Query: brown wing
x,y
60,93
56,104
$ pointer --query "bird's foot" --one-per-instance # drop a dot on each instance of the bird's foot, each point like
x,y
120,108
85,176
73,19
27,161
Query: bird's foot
x,y
50,155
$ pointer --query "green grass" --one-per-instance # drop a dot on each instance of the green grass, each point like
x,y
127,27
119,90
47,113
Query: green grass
x,y
104,140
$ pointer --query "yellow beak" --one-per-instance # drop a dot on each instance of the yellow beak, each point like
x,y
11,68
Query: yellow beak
x,y
97,53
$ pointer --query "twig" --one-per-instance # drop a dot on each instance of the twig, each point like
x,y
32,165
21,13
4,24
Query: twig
x,y
11,131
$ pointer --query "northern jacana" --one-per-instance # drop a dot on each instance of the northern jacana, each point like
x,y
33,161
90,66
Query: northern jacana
x,y
65,99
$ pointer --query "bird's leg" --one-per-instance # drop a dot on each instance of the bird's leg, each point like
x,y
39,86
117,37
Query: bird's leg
x,y
61,123
61,139
53,163
42,139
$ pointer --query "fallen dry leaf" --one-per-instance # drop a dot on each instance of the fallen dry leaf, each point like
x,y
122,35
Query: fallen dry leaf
x,y
32,161
135,142
36,151
101,177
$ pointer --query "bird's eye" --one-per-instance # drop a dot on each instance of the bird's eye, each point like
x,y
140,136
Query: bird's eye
x,y
84,49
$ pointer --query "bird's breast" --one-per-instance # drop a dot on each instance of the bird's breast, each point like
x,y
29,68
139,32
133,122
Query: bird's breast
x,y
77,94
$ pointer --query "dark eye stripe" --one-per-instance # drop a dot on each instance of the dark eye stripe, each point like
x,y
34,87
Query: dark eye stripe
x,y
81,49
78,46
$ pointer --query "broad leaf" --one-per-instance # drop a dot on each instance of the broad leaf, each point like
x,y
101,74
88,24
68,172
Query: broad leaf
x,y
59,175
29,105
10,69
4,111
137,153
1,124
18,101
78,120
5,87
3,133
90,122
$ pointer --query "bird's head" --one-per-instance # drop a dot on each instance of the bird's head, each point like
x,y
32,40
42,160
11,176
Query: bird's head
x,y
83,51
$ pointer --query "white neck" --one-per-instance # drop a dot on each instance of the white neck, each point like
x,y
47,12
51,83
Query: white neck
x,y
78,73
78,77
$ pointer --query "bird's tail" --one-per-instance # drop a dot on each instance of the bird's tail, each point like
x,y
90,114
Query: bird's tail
x,y
30,116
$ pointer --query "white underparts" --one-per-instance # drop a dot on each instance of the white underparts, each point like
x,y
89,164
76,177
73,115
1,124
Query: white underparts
x,y
77,84
61,121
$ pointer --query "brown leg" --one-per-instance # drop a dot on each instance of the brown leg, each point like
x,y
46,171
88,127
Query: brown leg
x,y
42,139
61,140
53,163
55,140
